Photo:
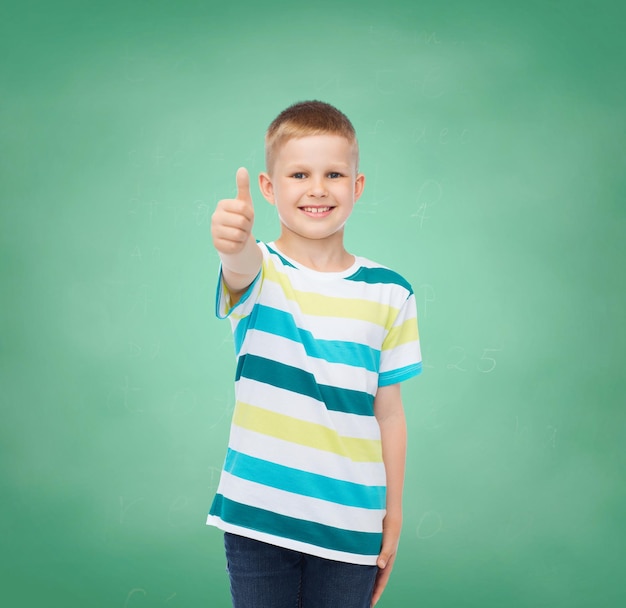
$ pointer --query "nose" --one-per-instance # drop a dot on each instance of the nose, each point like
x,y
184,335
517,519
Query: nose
x,y
317,188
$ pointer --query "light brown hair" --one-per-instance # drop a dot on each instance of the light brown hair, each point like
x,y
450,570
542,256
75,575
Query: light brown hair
x,y
303,119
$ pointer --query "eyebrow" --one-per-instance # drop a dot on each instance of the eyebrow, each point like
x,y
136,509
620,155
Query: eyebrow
x,y
330,167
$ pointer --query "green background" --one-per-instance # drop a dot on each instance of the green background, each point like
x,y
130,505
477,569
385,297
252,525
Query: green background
x,y
493,140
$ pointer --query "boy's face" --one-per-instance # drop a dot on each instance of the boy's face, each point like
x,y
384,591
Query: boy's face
x,y
314,184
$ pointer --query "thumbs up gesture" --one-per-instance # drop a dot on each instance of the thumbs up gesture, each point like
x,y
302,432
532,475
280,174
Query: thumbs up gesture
x,y
231,223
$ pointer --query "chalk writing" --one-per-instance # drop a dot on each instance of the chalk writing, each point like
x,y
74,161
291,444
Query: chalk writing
x,y
458,356
124,508
443,136
227,405
429,38
485,364
141,300
432,421
552,431
138,591
429,297
545,437
132,593
203,212
379,122
382,88
430,524
126,392
325,86
179,506
136,254
428,195
158,156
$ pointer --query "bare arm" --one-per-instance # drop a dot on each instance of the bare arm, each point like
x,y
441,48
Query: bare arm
x,y
231,228
390,416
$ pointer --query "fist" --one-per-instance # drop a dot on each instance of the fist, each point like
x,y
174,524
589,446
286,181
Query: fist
x,y
232,220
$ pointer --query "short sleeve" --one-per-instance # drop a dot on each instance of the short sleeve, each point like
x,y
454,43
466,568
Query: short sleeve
x,y
401,357
223,308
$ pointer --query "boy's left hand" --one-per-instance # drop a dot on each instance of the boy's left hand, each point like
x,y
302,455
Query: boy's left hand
x,y
387,556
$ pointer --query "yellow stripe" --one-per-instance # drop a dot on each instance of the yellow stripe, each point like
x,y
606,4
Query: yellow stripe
x,y
407,332
307,434
328,306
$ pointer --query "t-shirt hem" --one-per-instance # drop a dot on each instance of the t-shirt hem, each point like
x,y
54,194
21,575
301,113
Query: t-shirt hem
x,y
393,377
287,543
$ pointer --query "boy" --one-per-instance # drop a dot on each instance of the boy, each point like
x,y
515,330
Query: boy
x,y
310,497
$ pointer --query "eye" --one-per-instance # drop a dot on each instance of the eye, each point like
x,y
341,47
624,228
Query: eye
x,y
298,175
335,175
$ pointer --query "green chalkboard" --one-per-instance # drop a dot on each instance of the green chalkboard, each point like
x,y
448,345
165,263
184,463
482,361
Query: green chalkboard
x,y
493,139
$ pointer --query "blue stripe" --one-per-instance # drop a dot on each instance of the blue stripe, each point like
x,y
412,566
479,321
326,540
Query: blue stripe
x,y
313,533
380,275
399,375
239,333
292,480
296,380
281,323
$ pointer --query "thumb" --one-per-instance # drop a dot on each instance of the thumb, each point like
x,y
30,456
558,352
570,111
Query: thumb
x,y
384,557
243,185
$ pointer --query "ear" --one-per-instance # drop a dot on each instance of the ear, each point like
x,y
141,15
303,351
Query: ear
x,y
359,184
266,187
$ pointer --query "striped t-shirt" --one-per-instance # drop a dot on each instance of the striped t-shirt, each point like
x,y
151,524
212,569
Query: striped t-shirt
x,y
304,467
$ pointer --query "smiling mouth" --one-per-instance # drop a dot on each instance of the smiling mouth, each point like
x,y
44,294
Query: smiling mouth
x,y
315,210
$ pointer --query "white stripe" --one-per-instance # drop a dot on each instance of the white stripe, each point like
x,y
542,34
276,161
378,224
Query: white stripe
x,y
340,288
287,543
298,506
334,284
305,458
282,350
400,356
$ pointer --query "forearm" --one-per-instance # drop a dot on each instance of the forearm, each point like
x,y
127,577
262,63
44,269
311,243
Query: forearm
x,y
390,416
239,269
393,437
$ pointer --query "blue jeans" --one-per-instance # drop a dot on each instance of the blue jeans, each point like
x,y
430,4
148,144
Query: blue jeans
x,y
265,576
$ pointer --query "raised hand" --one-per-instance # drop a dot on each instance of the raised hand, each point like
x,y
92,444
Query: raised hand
x,y
232,221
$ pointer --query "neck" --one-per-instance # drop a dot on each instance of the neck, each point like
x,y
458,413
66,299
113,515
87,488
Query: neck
x,y
318,255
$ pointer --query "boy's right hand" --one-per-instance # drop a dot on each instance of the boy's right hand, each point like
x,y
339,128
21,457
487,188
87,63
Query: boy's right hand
x,y
231,223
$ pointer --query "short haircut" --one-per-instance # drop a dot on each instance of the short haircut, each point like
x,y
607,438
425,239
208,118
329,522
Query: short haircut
x,y
303,119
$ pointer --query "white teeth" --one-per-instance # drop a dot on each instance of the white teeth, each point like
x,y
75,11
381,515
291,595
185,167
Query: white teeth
x,y
316,209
